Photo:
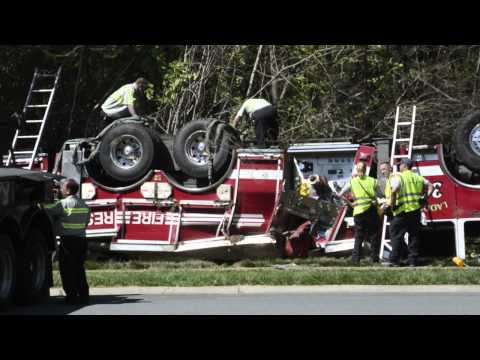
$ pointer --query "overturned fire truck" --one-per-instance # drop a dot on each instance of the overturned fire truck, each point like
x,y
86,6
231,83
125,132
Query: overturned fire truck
x,y
201,189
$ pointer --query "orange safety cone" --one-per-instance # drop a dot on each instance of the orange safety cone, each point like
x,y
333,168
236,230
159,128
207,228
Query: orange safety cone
x,y
458,262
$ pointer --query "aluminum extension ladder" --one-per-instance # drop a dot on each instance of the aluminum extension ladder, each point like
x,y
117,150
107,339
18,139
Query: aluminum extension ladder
x,y
34,117
402,135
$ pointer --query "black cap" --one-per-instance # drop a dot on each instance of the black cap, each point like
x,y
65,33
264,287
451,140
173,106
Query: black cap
x,y
408,163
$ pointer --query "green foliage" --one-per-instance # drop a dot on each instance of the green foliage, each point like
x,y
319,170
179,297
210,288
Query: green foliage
x,y
321,91
177,74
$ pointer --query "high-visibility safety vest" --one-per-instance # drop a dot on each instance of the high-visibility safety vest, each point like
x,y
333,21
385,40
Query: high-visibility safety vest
x,y
411,188
71,216
119,100
363,190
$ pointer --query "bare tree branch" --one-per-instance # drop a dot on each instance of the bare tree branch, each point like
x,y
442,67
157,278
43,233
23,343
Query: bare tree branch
x,y
252,76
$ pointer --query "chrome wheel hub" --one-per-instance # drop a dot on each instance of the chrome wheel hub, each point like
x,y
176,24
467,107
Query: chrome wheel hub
x,y
195,148
126,151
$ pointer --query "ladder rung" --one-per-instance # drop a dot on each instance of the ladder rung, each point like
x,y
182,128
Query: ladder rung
x,y
47,87
42,90
405,123
407,139
46,75
400,156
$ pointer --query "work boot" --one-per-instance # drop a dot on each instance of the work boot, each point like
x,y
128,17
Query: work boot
x,y
84,300
412,263
404,262
355,262
70,300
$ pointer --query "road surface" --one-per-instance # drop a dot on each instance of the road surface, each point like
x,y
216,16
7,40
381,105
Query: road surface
x,y
327,300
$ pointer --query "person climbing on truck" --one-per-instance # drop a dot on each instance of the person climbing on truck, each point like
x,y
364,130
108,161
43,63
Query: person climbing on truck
x,y
122,103
264,116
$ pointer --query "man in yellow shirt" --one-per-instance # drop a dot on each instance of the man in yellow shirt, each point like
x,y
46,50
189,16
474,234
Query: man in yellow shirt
x,y
122,102
365,214
408,190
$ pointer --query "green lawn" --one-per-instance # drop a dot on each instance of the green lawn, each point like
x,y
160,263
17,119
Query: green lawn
x,y
314,262
310,271
299,275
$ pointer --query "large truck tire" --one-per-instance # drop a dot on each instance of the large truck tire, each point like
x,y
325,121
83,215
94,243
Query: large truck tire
x,y
127,152
189,149
33,267
7,271
467,141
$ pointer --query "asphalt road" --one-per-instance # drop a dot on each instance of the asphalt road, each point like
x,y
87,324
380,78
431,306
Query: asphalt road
x,y
332,302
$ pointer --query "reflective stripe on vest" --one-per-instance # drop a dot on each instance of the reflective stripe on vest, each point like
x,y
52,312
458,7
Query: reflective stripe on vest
x,y
363,190
75,219
71,211
413,185
50,206
71,226
399,203
76,216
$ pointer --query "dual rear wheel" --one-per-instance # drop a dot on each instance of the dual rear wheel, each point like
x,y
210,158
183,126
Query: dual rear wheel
x,y
467,142
129,151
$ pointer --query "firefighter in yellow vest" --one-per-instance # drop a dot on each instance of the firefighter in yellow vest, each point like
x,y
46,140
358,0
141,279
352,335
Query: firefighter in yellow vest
x,y
365,215
71,216
385,194
408,191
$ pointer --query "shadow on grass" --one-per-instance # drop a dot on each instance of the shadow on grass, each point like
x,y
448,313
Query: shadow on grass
x,y
56,305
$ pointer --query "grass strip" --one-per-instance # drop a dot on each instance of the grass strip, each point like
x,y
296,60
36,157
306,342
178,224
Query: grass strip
x,y
247,263
270,276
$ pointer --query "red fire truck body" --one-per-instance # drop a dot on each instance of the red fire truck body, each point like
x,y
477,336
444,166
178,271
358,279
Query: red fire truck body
x,y
157,216
453,201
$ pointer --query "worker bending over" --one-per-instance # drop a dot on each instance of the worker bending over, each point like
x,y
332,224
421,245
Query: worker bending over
x,y
122,102
264,116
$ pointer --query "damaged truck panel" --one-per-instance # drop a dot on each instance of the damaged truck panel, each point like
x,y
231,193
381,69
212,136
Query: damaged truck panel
x,y
160,217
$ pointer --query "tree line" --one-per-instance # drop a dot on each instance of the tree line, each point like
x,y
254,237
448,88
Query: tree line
x,y
321,91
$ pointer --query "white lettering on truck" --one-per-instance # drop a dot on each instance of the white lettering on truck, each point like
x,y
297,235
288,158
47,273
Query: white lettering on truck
x,y
129,217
